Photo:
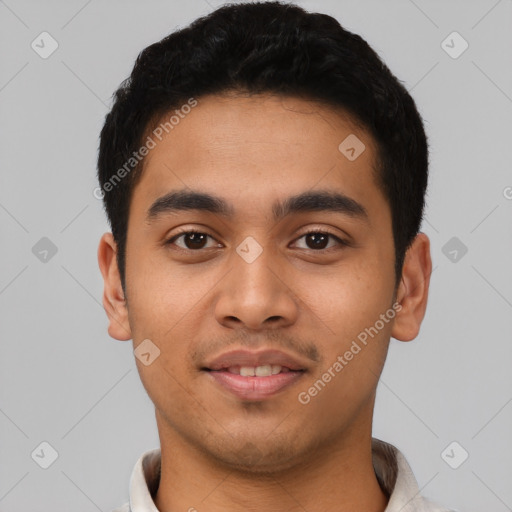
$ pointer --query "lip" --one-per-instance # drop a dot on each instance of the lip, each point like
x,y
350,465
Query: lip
x,y
254,388
243,357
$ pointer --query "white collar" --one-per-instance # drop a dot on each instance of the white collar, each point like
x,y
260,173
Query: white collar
x,y
393,473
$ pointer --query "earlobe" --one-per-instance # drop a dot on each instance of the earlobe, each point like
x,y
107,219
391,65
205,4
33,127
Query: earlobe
x,y
114,300
413,289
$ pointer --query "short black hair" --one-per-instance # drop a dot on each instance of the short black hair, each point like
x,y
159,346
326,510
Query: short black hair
x,y
260,48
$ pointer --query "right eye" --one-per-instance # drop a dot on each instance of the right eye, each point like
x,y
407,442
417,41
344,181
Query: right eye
x,y
193,240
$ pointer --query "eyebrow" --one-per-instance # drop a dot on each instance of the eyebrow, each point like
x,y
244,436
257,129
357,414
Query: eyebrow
x,y
311,201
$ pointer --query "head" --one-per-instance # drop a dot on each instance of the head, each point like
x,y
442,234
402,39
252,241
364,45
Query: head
x,y
256,125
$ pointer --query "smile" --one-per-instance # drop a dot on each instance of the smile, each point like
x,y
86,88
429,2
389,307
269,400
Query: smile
x,y
255,383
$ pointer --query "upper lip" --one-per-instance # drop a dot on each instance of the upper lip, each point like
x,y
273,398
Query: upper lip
x,y
251,358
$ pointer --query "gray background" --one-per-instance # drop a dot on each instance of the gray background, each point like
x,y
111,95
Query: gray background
x,y
63,380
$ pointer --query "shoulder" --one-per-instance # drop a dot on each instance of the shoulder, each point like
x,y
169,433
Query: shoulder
x,y
397,479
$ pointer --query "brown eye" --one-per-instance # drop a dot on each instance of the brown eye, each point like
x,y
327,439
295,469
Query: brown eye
x,y
195,240
190,240
319,240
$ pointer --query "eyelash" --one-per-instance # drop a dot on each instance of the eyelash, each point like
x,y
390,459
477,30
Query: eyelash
x,y
314,231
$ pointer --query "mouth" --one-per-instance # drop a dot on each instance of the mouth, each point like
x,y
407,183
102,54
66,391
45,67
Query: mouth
x,y
265,370
254,382
255,375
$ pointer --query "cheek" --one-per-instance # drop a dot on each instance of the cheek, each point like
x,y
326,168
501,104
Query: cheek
x,y
167,379
349,298
165,306
160,294
353,360
355,305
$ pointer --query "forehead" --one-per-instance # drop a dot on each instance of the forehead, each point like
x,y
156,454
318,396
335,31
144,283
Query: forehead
x,y
253,147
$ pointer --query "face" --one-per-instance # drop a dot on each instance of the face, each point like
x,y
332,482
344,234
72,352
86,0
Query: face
x,y
285,246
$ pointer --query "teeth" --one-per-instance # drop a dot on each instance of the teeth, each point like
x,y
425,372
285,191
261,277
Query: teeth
x,y
278,369
263,371
257,371
247,371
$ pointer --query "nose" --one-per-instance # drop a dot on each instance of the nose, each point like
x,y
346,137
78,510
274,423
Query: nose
x,y
256,295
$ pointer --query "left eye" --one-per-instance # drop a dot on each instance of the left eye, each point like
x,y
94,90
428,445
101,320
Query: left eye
x,y
319,240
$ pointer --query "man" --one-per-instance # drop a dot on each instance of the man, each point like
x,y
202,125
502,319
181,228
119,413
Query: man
x,y
264,176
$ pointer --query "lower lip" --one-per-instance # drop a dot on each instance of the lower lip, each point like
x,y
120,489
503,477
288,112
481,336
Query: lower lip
x,y
255,388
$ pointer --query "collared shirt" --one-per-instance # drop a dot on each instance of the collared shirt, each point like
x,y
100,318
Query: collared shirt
x,y
392,470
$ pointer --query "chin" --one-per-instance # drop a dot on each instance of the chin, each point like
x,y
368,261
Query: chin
x,y
258,457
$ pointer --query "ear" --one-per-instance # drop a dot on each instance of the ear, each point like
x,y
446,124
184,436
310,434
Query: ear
x,y
114,301
412,291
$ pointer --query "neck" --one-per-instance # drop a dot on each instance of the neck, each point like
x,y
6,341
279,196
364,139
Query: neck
x,y
338,476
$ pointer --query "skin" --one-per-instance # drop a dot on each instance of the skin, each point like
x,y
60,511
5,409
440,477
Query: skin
x,y
219,452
